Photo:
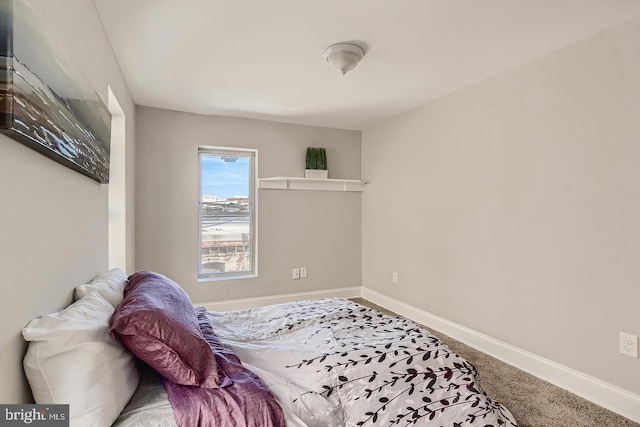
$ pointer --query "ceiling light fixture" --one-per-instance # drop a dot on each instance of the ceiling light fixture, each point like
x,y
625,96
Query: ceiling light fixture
x,y
343,56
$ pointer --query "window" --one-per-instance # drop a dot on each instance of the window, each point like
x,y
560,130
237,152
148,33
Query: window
x,y
227,213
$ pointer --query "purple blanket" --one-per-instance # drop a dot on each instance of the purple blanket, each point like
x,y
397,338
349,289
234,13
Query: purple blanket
x,y
242,401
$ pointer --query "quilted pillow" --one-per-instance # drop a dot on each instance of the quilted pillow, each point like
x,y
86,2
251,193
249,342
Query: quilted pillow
x,y
158,323
73,360
110,285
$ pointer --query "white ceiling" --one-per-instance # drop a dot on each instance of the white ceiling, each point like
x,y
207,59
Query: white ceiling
x,y
263,59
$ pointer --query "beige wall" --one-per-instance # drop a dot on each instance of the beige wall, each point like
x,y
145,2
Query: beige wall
x,y
514,205
316,229
54,220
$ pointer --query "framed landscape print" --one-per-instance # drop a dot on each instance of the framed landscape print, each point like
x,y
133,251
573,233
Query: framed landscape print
x,y
45,103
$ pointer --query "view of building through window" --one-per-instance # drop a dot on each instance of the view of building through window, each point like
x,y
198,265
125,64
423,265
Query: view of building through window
x,y
226,212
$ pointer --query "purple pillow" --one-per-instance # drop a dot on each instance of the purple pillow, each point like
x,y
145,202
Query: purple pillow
x,y
157,322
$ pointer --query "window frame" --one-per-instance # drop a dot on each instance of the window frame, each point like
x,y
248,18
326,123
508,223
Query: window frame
x,y
252,154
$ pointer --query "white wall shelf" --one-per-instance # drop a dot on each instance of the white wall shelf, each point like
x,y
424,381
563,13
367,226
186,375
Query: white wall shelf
x,y
295,183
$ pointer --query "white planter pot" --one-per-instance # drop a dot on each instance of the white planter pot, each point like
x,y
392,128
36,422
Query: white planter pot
x,y
316,174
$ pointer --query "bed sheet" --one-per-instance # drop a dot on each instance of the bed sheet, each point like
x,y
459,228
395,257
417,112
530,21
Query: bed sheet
x,y
332,362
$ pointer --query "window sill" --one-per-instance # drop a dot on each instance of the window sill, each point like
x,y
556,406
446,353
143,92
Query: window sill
x,y
224,278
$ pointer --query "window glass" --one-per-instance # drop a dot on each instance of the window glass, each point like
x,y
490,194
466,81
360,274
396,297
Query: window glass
x,y
227,219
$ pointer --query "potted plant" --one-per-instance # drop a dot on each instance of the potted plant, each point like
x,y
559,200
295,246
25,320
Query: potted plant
x,y
316,163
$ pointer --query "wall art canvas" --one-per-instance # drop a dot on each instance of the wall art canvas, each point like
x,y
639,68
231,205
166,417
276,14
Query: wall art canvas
x,y
45,102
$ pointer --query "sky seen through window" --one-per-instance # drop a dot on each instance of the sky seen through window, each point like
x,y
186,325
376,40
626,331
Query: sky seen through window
x,y
224,179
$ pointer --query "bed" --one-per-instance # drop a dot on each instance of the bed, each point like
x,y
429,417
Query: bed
x,y
327,362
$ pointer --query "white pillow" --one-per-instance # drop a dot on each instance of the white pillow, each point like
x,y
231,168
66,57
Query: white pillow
x,y
110,285
73,360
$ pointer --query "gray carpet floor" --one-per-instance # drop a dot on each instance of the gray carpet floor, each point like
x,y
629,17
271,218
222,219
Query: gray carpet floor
x,y
532,401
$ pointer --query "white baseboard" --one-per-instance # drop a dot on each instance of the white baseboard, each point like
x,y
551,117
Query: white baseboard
x,y
245,303
597,391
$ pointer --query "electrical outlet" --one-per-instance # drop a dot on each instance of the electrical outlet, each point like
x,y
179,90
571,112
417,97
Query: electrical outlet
x,y
296,273
303,272
629,345
394,277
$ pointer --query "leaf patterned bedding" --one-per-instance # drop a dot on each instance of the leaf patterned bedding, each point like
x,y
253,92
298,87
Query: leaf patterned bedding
x,y
332,362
